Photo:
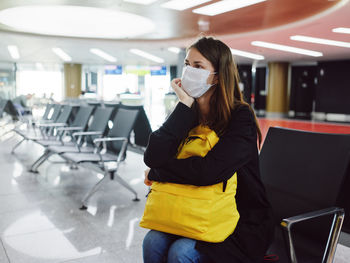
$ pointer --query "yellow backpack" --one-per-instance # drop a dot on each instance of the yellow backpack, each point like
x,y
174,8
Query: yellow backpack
x,y
206,213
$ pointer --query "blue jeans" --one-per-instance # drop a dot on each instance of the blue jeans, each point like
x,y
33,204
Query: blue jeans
x,y
159,247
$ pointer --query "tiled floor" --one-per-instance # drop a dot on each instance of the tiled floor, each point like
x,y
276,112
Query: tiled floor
x,y
40,220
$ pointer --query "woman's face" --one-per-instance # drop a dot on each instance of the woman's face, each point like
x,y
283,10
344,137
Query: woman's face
x,y
196,60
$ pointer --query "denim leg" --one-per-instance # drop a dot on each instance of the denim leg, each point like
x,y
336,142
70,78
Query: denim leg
x,y
156,245
183,251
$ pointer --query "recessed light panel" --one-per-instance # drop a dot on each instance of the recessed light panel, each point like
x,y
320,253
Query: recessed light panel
x,y
287,48
146,55
183,4
224,6
102,54
322,41
75,21
175,50
63,55
344,30
246,54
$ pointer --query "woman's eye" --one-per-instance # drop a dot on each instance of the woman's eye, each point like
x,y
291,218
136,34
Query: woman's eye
x,y
186,64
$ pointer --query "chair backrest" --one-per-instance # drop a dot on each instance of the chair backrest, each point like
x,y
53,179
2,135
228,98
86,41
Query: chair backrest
x,y
47,111
99,122
2,106
11,110
142,127
303,172
123,124
55,111
65,114
82,117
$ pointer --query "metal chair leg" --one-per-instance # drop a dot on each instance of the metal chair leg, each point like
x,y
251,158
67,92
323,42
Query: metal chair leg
x,y
38,162
92,191
18,144
126,185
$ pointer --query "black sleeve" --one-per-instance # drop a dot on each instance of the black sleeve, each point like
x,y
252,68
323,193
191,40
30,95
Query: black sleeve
x,y
234,149
164,142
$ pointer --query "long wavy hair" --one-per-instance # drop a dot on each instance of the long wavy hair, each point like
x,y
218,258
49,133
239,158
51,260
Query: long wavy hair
x,y
226,96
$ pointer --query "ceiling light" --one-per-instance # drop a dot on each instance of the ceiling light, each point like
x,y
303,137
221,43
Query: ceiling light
x,y
287,48
183,4
246,54
175,50
141,2
102,54
13,50
75,21
146,55
344,30
321,41
63,55
224,6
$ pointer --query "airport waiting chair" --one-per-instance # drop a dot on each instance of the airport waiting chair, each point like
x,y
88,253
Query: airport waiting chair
x,y
2,107
113,150
8,107
304,175
49,129
97,128
63,129
142,128
59,118
15,116
50,115
79,124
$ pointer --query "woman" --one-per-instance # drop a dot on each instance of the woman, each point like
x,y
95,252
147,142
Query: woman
x,y
222,108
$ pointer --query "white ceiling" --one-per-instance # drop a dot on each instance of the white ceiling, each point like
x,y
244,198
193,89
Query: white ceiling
x,y
37,48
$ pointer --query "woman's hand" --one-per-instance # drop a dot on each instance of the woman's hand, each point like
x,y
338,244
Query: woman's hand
x,y
181,94
146,181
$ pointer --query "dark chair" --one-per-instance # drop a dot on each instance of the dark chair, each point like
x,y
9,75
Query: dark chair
x,y
8,107
113,150
2,107
142,128
304,175
96,129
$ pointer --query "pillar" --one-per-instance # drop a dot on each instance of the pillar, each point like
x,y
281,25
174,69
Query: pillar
x,y
277,101
72,80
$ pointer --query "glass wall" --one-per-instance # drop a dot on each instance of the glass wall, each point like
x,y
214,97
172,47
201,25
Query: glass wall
x,y
42,81
7,81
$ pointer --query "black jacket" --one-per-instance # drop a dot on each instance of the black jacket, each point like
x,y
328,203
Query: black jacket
x,y
235,151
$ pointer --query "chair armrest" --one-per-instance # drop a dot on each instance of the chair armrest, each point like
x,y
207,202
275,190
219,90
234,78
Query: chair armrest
x,y
288,222
110,139
334,233
87,133
70,128
125,140
54,124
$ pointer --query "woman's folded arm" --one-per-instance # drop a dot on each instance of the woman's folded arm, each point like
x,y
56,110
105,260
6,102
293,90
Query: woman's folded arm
x,y
234,149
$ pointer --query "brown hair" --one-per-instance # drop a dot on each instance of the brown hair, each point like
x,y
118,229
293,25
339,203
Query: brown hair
x,y
226,96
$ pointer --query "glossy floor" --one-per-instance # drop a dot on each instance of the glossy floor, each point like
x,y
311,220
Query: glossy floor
x,y
313,126
40,220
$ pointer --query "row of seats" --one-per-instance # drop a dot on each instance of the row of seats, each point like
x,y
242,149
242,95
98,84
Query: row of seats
x,y
88,135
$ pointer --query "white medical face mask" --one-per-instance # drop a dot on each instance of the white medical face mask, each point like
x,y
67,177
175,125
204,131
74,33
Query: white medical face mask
x,y
194,81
